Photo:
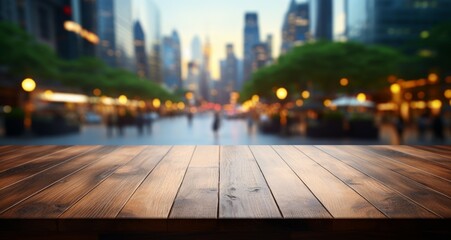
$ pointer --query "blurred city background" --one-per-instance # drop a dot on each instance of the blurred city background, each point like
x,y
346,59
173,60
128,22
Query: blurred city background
x,y
225,72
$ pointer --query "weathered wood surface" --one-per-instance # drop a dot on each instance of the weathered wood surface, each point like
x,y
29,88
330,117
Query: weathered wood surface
x,y
224,182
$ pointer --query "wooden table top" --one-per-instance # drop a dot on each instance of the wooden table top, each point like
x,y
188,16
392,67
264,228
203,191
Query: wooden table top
x,y
224,182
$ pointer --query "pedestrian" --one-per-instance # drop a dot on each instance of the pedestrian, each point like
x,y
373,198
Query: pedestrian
x,y
139,121
399,124
437,128
148,120
121,120
216,124
110,122
190,118
423,124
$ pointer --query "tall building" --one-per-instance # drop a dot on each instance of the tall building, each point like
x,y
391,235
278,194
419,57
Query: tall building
x,y
269,44
204,84
230,71
148,13
324,20
296,25
394,23
142,65
66,26
196,51
251,38
172,61
193,78
260,56
115,32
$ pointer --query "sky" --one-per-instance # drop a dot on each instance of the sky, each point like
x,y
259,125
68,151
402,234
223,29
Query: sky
x,y
222,21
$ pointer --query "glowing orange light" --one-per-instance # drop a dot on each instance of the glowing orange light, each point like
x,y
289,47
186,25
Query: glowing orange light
x,y
344,82
305,94
28,85
361,97
281,93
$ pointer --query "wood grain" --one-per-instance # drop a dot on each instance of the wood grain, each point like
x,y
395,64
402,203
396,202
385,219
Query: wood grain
x,y
198,195
31,168
28,155
16,193
110,196
414,161
338,198
432,181
243,189
155,196
293,197
420,194
57,198
429,156
387,200
441,151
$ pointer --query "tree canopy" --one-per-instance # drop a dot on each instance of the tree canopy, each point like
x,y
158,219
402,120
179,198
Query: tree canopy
x,y
22,56
322,64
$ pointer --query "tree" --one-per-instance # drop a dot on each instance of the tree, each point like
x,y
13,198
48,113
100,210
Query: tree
x,y
322,64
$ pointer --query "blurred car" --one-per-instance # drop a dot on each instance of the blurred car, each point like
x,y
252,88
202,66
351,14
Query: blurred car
x,y
92,118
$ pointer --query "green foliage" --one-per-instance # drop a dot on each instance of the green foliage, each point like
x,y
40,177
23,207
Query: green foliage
x,y
323,64
23,57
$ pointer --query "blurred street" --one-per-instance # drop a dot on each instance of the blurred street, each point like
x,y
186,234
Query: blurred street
x,y
176,131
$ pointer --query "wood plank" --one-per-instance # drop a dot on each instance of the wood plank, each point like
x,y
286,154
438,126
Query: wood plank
x,y
432,181
109,197
293,197
243,192
387,200
20,191
420,194
155,196
338,198
442,152
28,155
4,149
29,169
198,195
430,156
414,161
56,199
14,151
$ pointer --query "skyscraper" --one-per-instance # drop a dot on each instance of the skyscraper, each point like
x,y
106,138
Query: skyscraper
x,y
172,61
269,44
260,56
67,26
251,38
196,51
204,86
394,23
296,25
115,31
324,20
230,71
148,14
142,66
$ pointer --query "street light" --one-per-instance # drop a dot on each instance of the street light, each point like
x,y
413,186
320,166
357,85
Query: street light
x,y
361,97
122,99
28,85
344,82
395,88
305,94
281,93
156,103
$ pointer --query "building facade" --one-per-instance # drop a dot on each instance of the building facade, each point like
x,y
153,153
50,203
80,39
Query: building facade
x,y
324,26
296,26
115,30
142,65
251,38
394,23
172,72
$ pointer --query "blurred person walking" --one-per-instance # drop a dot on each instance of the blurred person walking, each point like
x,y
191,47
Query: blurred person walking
x,y
399,125
438,129
190,118
139,121
148,121
216,124
110,122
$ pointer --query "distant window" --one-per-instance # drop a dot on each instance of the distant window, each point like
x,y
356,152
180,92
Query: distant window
x,y
44,28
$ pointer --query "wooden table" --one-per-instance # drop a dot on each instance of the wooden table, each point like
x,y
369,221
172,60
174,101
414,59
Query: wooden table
x,y
97,191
